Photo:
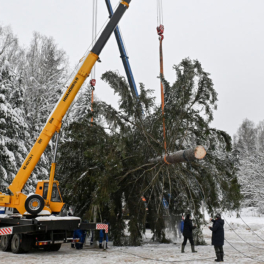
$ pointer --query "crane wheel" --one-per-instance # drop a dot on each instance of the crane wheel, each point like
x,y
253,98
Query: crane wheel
x,y
6,242
16,244
34,204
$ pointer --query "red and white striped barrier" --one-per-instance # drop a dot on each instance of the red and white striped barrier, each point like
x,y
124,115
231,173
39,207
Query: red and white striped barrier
x,y
6,231
102,226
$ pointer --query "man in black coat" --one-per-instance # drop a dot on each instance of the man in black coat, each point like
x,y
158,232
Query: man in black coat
x,y
187,233
218,237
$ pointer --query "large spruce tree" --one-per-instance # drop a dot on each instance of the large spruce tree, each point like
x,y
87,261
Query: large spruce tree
x,y
108,164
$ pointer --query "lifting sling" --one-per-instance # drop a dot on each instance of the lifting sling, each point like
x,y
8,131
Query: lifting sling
x,y
94,34
160,31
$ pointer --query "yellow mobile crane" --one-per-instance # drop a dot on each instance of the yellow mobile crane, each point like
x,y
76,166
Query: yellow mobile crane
x,y
47,198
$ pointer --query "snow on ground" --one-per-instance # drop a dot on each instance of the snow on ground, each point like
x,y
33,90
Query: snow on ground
x,y
164,253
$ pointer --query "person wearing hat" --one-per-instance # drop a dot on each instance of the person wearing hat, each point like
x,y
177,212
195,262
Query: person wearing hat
x,y
218,237
187,233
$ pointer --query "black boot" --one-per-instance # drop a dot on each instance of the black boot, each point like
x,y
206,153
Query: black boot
x,y
222,257
182,248
218,255
193,251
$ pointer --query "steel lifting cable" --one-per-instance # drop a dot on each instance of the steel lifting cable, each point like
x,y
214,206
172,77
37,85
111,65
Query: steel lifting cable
x,y
77,66
246,225
159,13
223,216
250,228
184,260
240,236
88,49
159,260
160,31
196,181
188,260
94,31
231,227
233,230
94,34
166,261
242,252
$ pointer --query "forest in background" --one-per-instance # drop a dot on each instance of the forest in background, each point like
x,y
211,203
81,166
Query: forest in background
x,y
107,163
31,82
248,143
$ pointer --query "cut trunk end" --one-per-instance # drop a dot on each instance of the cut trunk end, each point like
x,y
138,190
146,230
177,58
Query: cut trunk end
x,y
196,153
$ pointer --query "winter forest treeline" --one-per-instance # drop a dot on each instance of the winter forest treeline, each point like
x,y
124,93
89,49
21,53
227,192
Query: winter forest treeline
x,y
249,146
107,164
31,80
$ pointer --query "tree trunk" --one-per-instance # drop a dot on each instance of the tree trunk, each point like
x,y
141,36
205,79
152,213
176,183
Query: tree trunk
x,y
192,154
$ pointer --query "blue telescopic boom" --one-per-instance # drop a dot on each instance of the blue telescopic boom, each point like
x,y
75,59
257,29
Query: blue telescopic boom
x,y
123,53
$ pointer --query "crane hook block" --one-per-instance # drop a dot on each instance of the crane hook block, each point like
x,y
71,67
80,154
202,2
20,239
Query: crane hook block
x,y
160,31
92,82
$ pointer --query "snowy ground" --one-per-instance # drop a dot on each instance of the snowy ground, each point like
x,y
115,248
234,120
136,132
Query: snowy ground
x,y
164,253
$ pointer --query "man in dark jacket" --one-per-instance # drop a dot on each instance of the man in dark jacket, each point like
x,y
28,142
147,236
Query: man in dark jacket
x,y
218,237
187,233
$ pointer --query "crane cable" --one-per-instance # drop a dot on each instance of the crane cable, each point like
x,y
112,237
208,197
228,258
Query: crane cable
x,y
94,35
160,31
159,13
250,228
240,236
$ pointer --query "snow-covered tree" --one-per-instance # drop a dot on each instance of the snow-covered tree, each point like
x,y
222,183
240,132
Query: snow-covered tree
x,y
251,178
45,73
249,142
246,136
13,127
31,82
260,137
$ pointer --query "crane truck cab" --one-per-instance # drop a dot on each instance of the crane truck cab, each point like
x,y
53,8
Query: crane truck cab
x,y
56,202
36,203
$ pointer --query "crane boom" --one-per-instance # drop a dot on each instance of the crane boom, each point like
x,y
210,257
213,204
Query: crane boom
x,y
123,53
54,121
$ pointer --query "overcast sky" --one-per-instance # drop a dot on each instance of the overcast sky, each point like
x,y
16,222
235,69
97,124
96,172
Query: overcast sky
x,y
226,36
